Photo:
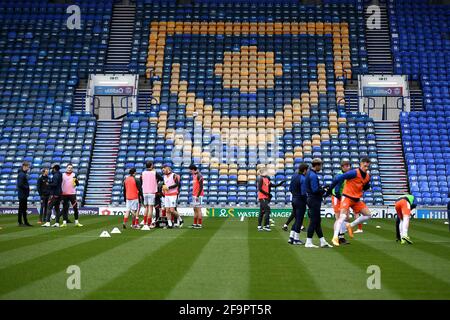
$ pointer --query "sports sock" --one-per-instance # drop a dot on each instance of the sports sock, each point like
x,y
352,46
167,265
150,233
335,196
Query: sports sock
x,y
360,226
199,221
338,225
195,220
145,219
401,228
125,220
343,228
397,228
149,220
405,225
292,234
360,219
296,236
335,224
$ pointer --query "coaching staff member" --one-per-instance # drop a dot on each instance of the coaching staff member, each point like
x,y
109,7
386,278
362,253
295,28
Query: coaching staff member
x,y
315,193
23,189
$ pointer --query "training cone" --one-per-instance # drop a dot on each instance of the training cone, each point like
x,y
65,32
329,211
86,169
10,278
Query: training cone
x,y
115,230
145,228
446,222
105,234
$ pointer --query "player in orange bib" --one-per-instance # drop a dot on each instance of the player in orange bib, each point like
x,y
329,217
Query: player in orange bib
x,y
356,182
403,206
132,193
197,196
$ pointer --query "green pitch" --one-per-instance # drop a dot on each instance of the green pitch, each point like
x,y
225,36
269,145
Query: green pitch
x,y
228,259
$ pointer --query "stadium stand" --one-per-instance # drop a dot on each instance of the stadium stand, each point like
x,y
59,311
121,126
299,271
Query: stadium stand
x,y
224,75
420,45
41,63
241,69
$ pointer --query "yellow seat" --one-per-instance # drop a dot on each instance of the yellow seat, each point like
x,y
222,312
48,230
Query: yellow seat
x,y
242,178
342,120
334,131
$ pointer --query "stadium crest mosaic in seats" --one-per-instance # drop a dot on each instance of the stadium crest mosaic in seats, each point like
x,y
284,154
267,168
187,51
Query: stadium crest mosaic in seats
x,y
234,81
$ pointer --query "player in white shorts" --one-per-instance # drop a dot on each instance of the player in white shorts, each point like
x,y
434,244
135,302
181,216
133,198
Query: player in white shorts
x,y
170,201
132,205
132,192
149,182
170,190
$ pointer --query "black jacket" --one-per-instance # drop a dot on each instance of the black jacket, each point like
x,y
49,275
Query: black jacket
x,y
55,184
42,186
23,186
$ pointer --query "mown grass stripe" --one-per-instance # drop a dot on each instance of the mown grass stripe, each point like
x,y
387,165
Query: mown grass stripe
x,y
222,267
419,225
415,231
37,236
9,223
396,271
11,219
55,243
433,256
428,243
276,271
51,263
156,274
433,223
334,274
429,228
16,231
99,269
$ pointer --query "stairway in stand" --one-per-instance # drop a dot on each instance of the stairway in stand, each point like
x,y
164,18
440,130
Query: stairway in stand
x,y
79,97
378,42
351,97
103,163
391,161
120,39
144,99
416,94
